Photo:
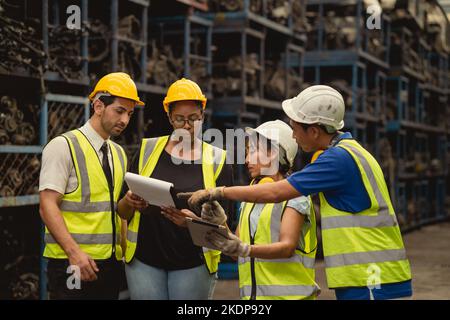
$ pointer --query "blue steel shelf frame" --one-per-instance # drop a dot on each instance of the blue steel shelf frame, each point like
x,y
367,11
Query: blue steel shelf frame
x,y
412,130
43,139
188,23
249,25
142,43
408,131
364,68
361,42
242,109
55,8
83,102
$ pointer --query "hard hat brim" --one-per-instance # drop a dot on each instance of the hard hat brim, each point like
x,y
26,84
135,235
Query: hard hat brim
x,y
289,110
250,130
138,102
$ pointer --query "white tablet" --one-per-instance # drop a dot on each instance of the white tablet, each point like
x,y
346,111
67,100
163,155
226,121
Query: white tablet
x,y
198,230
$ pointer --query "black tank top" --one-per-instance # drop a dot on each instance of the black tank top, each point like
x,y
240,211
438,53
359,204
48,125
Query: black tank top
x,y
161,243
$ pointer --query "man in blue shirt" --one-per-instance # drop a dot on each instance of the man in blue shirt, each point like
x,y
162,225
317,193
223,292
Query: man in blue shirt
x,y
363,249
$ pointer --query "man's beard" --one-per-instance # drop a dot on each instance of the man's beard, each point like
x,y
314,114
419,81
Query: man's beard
x,y
110,129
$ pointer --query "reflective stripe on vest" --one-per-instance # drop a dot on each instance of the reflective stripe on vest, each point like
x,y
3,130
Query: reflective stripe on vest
x,y
87,210
382,219
290,278
356,244
273,292
298,258
213,160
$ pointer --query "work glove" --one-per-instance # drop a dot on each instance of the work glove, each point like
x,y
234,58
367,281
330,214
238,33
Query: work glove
x,y
213,212
233,246
198,198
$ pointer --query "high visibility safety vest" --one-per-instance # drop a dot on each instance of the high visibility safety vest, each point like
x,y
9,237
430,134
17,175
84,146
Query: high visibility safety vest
x,y
89,212
213,160
366,248
275,279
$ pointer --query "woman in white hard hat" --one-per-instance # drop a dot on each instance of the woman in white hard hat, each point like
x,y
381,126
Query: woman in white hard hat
x,y
363,248
275,242
162,262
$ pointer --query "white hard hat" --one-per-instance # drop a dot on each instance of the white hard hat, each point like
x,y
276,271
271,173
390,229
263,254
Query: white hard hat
x,y
317,104
280,133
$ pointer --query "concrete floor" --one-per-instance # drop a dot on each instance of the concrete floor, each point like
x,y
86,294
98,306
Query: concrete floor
x,y
428,250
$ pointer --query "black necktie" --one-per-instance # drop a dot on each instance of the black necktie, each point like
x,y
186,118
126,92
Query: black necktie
x,y
106,167
107,171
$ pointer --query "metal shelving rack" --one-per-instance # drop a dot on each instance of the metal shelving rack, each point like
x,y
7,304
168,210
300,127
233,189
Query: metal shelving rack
x,y
409,108
189,38
245,105
128,29
49,79
243,70
416,127
363,68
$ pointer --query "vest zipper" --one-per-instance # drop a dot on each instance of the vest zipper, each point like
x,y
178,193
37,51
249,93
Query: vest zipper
x,y
252,269
252,260
113,220
113,212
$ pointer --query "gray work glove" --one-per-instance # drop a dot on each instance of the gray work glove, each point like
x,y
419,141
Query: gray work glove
x,y
213,212
198,198
233,246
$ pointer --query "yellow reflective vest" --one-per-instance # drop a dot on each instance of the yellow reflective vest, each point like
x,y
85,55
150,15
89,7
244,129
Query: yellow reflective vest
x,y
270,279
366,248
88,212
213,160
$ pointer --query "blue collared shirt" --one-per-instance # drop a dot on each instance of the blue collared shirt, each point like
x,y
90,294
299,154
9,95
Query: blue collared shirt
x,y
337,176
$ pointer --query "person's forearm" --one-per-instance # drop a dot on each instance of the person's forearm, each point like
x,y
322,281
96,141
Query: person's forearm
x,y
52,217
278,250
262,193
124,210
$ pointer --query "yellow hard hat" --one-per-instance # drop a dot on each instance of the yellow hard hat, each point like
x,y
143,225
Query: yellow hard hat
x,y
181,90
117,84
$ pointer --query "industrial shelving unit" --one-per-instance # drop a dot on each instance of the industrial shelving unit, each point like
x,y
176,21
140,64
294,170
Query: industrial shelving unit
x,y
118,37
180,45
241,98
343,53
45,110
252,79
416,111
394,84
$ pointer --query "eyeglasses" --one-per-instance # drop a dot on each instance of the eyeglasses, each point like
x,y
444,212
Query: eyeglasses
x,y
180,121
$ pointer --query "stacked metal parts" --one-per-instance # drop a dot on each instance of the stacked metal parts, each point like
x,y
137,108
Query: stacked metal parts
x,y
395,82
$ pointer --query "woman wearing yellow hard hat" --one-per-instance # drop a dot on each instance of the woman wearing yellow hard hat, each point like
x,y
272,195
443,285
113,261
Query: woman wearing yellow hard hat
x,y
162,261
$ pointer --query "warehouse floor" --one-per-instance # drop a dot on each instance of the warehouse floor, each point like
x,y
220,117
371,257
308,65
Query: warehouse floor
x,y
429,254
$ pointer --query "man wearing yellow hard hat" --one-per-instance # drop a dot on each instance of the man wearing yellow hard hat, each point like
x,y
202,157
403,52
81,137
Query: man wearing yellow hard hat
x,y
161,261
80,182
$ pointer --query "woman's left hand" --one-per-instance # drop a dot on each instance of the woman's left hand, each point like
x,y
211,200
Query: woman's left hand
x,y
178,216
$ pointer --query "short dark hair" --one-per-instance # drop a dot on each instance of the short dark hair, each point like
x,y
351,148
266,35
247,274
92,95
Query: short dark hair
x,y
283,164
172,105
107,100
326,129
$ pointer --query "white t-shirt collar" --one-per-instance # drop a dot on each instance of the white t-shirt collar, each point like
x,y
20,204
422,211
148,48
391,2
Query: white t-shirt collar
x,y
94,138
